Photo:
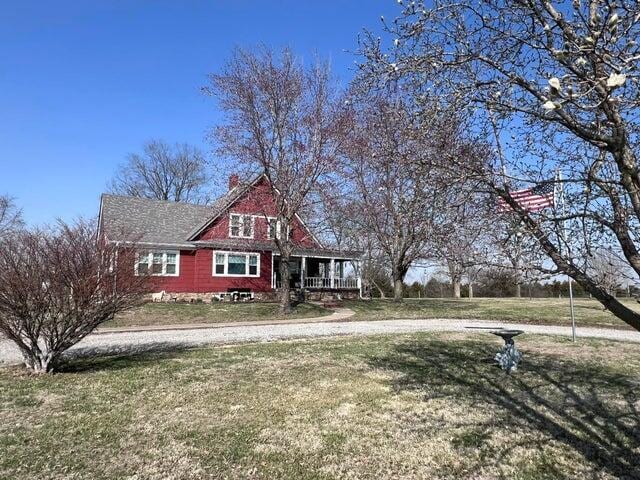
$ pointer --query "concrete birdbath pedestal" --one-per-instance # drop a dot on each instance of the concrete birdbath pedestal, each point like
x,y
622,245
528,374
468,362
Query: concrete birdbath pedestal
x,y
509,357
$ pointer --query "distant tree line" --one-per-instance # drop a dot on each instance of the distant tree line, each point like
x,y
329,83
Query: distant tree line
x,y
496,284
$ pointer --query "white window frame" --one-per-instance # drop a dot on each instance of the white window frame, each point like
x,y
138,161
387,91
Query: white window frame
x,y
277,235
149,254
278,228
226,264
243,217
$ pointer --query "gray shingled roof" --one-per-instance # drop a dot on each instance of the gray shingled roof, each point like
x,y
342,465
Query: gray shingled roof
x,y
159,221
154,221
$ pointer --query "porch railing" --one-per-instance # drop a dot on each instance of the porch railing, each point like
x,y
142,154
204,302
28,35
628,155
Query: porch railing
x,y
321,282
345,283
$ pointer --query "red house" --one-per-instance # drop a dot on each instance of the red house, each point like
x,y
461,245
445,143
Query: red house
x,y
226,248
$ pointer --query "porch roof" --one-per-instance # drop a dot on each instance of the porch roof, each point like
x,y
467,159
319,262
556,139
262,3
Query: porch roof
x,y
229,243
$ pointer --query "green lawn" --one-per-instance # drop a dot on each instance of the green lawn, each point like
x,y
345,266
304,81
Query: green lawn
x,y
542,311
185,313
403,406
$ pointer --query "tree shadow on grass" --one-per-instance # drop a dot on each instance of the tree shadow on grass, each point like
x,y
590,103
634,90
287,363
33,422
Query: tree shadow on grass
x,y
118,357
590,409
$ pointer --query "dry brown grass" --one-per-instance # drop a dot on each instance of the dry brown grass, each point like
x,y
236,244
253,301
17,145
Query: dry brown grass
x,y
403,406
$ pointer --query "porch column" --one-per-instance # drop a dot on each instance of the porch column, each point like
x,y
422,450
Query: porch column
x,y
273,274
303,271
332,271
359,276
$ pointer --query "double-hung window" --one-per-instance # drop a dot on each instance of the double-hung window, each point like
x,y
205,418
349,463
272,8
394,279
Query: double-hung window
x,y
240,226
158,262
274,229
236,264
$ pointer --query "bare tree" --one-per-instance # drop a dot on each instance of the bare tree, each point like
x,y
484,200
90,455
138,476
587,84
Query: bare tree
x,y
343,222
390,167
58,285
10,216
177,173
282,119
609,270
460,238
554,88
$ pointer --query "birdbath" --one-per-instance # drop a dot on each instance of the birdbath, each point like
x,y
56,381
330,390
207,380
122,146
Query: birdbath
x,y
509,357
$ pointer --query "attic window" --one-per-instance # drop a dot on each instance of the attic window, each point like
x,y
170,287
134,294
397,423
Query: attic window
x,y
240,226
273,228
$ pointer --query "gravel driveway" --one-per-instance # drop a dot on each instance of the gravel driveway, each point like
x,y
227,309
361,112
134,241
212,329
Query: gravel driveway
x,y
140,341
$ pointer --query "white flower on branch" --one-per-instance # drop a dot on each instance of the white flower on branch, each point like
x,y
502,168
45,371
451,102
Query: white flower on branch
x,y
613,21
554,83
549,105
616,80
581,62
396,42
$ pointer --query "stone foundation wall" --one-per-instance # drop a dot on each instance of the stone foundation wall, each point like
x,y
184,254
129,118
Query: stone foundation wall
x,y
208,297
321,295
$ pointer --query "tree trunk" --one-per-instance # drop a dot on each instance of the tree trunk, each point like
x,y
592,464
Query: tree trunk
x,y
397,290
285,284
455,283
380,291
470,290
398,274
518,290
37,362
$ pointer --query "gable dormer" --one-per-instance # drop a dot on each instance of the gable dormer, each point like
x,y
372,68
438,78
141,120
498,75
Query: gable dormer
x,y
250,216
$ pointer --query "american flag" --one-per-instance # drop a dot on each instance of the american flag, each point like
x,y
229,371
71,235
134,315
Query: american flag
x,y
531,199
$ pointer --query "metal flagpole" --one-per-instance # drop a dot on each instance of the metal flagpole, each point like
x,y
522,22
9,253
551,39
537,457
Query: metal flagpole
x,y
564,234
573,317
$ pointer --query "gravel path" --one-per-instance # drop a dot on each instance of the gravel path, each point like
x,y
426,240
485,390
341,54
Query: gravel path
x,y
132,342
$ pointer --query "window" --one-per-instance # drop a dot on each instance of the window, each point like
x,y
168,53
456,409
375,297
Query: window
x,y
160,263
142,268
171,265
236,264
274,228
220,262
253,265
156,266
240,226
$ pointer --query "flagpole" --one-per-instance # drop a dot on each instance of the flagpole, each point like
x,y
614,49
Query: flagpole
x,y
564,234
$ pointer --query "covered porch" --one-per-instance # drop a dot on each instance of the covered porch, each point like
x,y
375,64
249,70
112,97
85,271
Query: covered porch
x,y
319,273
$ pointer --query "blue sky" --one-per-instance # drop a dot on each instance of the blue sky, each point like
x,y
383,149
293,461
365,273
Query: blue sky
x,y
83,83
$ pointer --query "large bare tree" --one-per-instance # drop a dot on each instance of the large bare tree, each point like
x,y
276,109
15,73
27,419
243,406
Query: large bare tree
x,y
57,285
391,167
282,118
10,216
554,86
178,173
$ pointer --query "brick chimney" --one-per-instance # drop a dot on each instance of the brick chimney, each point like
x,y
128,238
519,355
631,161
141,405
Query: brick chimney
x,y
234,179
